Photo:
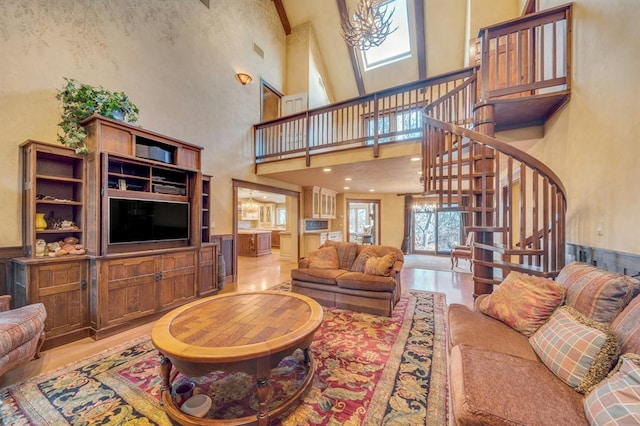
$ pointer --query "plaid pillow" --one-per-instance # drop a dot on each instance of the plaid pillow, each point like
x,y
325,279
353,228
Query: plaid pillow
x,y
596,293
616,400
580,352
380,266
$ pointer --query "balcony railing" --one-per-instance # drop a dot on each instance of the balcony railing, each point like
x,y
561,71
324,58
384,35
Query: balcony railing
x,y
526,56
389,116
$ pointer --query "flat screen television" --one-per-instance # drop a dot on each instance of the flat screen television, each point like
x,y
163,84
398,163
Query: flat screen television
x,y
136,221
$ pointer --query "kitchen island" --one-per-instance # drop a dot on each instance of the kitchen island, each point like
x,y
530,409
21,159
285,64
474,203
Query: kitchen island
x,y
254,242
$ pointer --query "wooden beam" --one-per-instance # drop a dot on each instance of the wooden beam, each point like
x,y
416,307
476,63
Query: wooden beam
x,y
357,73
420,39
283,16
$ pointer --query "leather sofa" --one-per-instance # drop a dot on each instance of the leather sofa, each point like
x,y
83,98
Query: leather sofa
x,y
496,376
347,286
21,333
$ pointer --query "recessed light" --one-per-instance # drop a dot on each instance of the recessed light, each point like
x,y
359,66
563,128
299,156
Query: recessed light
x,y
326,169
420,172
372,190
346,187
416,158
347,178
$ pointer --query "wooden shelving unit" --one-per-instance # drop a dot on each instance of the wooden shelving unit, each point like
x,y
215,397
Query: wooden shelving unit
x,y
121,283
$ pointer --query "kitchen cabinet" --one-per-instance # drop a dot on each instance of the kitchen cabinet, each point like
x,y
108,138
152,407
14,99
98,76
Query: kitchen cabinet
x,y
311,202
275,238
327,204
254,243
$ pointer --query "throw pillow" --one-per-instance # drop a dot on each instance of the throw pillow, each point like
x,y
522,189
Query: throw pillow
x,y
324,258
346,252
380,266
579,351
616,400
627,327
598,294
523,302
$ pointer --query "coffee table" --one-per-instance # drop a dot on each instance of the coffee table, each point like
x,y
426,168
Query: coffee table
x,y
238,332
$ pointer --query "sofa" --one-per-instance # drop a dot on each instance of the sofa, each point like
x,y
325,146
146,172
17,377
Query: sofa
x,y
364,278
21,333
549,352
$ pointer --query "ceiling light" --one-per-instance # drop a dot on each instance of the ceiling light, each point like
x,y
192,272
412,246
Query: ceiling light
x,y
347,178
416,158
251,206
372,190
369,25
326,169
346,187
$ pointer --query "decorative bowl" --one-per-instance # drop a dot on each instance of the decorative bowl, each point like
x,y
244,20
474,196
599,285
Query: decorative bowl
x,y
197,406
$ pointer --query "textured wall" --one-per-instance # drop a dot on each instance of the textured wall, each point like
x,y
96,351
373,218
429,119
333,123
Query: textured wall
x,y
176,59
592,144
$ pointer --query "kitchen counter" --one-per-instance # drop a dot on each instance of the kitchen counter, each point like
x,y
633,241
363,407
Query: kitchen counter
x,y
254,242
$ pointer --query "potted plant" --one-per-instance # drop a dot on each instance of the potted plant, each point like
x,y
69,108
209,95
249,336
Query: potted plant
x,y
80,101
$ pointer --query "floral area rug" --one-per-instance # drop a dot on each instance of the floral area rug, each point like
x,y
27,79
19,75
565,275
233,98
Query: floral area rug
x,y
370,370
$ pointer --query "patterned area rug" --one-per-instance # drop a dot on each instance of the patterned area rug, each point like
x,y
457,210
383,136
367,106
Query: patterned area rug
x,y
370,370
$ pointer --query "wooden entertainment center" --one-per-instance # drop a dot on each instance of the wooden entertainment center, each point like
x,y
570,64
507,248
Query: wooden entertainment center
x,y
138,205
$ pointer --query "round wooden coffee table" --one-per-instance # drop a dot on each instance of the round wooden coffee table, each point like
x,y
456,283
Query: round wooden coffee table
x,y
238,332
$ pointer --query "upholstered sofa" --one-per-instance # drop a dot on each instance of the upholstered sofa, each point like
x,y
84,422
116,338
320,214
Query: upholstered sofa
x,y
365,278
21,333
500,375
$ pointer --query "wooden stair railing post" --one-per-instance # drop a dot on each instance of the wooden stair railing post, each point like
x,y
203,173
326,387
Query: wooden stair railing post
x,y
484,203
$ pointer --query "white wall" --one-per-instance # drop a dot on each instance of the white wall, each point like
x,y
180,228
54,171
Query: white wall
x,y
592,144
176,59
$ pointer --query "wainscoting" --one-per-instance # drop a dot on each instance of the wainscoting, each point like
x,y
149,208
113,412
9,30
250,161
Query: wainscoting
x,y
610,260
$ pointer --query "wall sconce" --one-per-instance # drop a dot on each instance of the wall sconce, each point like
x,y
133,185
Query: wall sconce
x,y
244,78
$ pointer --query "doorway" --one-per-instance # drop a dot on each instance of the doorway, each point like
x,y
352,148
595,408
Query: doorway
x,y
363,221
270,101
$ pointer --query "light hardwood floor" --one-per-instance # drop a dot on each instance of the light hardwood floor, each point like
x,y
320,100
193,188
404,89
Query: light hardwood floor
x,y
254,274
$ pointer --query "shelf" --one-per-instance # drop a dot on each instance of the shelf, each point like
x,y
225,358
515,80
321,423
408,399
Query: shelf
x,y
59,178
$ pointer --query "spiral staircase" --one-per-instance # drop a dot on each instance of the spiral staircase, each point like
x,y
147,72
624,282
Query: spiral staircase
x,y
515,205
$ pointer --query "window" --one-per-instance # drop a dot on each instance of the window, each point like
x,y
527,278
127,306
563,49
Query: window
x,y
406,125
397,46
435,230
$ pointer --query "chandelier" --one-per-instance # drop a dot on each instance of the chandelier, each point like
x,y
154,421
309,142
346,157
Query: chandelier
x,y
370,25
251,206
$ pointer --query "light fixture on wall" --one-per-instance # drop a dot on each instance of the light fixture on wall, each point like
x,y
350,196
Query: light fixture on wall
x,y
244,78
369,26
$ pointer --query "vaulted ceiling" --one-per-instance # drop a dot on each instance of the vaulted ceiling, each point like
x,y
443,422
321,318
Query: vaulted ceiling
x,y
343,63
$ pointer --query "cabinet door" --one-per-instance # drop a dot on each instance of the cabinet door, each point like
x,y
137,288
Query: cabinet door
x,y
208,278
178,275
61,287
129,291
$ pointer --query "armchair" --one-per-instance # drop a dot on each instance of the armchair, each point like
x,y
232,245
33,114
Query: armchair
x,y
21,333
463,252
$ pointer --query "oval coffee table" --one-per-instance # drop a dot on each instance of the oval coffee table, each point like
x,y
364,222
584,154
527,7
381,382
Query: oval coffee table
x,y
238,332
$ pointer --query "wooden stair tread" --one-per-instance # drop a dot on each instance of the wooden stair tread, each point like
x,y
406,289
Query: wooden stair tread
x,y
526,269
502,249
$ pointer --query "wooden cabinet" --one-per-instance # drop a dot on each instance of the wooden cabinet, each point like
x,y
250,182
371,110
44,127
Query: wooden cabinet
x,y
311,202
61,285
133,287
254,243
205,224
275,238
319,203
327,204
208,268
53,187
131,277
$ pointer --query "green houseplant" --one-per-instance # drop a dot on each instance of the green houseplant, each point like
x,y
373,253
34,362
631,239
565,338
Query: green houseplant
x,y
80,101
